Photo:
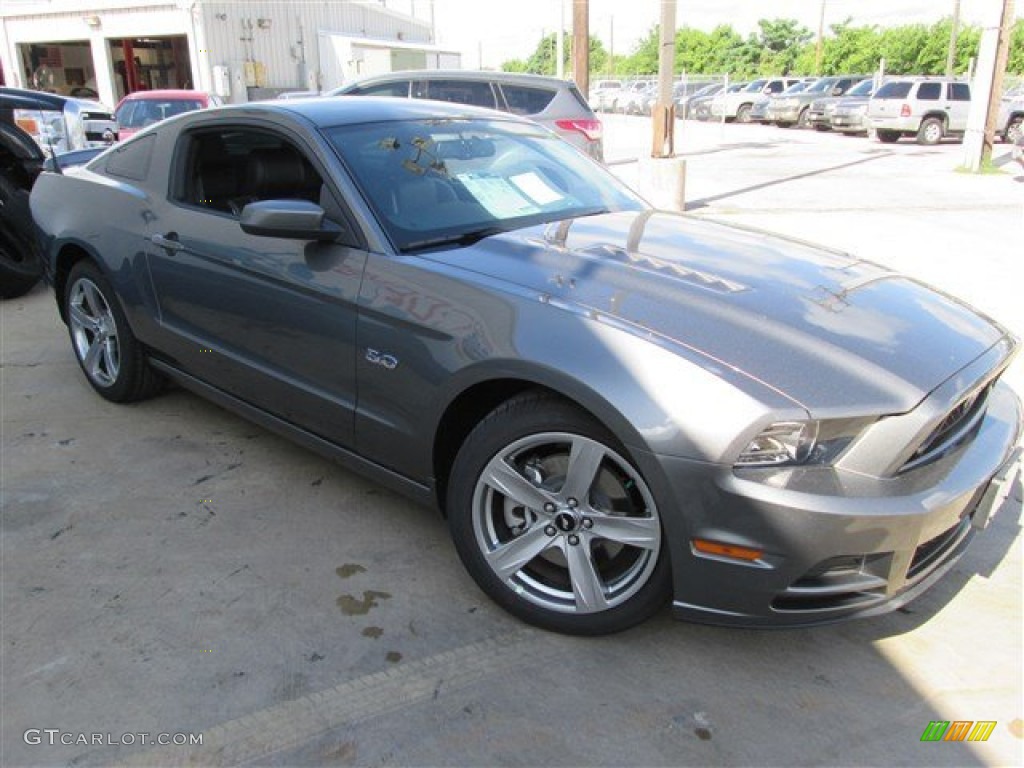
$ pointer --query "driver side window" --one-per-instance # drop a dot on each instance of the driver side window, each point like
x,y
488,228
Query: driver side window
x,y
227,169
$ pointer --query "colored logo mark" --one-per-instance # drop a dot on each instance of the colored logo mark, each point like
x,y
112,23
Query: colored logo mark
x,y
958,730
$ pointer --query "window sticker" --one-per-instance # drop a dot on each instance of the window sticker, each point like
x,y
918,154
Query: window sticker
x,y
497,195
535,188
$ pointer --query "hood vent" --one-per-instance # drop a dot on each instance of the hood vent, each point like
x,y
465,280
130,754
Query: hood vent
x,y
671,269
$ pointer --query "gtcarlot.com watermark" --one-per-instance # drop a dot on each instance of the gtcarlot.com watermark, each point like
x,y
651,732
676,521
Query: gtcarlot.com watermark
x,y
55,736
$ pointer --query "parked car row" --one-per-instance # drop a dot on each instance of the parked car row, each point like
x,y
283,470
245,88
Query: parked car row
x,y
928,109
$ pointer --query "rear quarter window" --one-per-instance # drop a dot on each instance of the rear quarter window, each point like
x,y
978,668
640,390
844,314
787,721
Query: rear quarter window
x,y
897,90
131,161
399,88
524,100
960,91
929,91
472,92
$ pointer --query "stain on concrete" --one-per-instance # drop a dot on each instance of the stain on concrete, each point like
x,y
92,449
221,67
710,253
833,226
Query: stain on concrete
x,y
349,569
373,632
353,606
393,656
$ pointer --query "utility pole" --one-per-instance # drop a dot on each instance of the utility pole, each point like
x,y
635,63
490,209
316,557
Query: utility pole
x,y
818,49
987,87
953,31
1002,56
581,45
560,43
611,45
664,111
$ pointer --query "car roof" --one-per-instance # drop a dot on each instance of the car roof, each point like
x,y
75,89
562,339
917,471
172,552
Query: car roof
x,y
330,111
20,98
459,74
167,93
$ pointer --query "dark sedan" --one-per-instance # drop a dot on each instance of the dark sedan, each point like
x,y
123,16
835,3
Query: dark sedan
x,y
610,404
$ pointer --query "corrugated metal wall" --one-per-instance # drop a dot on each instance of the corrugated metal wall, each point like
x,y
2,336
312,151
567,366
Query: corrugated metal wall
x,y
269,32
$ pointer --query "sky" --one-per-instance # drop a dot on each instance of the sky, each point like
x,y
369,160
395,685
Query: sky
x,y
489,32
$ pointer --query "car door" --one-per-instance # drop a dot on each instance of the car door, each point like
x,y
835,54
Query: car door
x,y
270,320
959,105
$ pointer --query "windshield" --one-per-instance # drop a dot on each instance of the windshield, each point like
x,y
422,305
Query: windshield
x,y
863,88
138,113
755,86
794,88
432,182
822,86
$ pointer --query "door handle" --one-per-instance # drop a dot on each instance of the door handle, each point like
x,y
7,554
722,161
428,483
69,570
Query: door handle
x,y
168,242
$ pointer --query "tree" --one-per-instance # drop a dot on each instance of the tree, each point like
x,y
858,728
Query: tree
x,y
544,59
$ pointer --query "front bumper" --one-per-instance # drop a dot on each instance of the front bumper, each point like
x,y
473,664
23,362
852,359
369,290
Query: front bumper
x,y
778,114
848,123
835,544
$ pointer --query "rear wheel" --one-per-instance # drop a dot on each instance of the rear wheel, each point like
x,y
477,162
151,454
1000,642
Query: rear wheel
x,y
110,356
931,131
887,137
554,523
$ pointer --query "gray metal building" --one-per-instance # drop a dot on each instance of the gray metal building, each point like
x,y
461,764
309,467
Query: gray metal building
x,y
240,49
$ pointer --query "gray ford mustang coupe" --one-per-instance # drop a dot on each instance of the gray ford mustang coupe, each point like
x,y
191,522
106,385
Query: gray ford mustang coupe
x,y
611,405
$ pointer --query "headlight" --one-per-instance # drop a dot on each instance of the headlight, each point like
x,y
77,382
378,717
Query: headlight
x,y
786,442
45,126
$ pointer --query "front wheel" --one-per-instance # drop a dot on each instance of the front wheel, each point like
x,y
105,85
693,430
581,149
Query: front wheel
x,y
109,355
743,113
554,523
803,119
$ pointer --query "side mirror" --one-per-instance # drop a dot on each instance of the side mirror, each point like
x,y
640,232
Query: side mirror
x,y
293,219
837,91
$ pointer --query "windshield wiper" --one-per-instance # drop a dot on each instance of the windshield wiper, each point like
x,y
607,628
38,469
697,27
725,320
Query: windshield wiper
x,y
461,239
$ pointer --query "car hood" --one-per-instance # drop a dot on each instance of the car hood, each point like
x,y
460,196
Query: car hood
x,y
832,332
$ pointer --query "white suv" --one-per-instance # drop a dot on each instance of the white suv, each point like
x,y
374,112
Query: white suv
x,y
929,109
737,105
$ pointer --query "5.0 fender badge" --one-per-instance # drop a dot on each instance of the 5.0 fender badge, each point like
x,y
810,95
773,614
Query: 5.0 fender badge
x,y
379,358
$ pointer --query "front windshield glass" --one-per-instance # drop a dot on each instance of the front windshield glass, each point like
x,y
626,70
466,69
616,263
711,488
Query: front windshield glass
x,y
452,181
794,88
863,88
755,86
821,86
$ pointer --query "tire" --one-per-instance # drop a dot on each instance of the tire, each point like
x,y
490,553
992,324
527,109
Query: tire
x,y
543,534
931,131
19,270
780,124
1013,130
109,355
743,113
888,137
803,119
822,128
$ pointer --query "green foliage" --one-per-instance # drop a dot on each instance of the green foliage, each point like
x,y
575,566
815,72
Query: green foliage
x,y
782,46
544,59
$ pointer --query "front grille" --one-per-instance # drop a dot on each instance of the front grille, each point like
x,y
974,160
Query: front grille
x,y
959,424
